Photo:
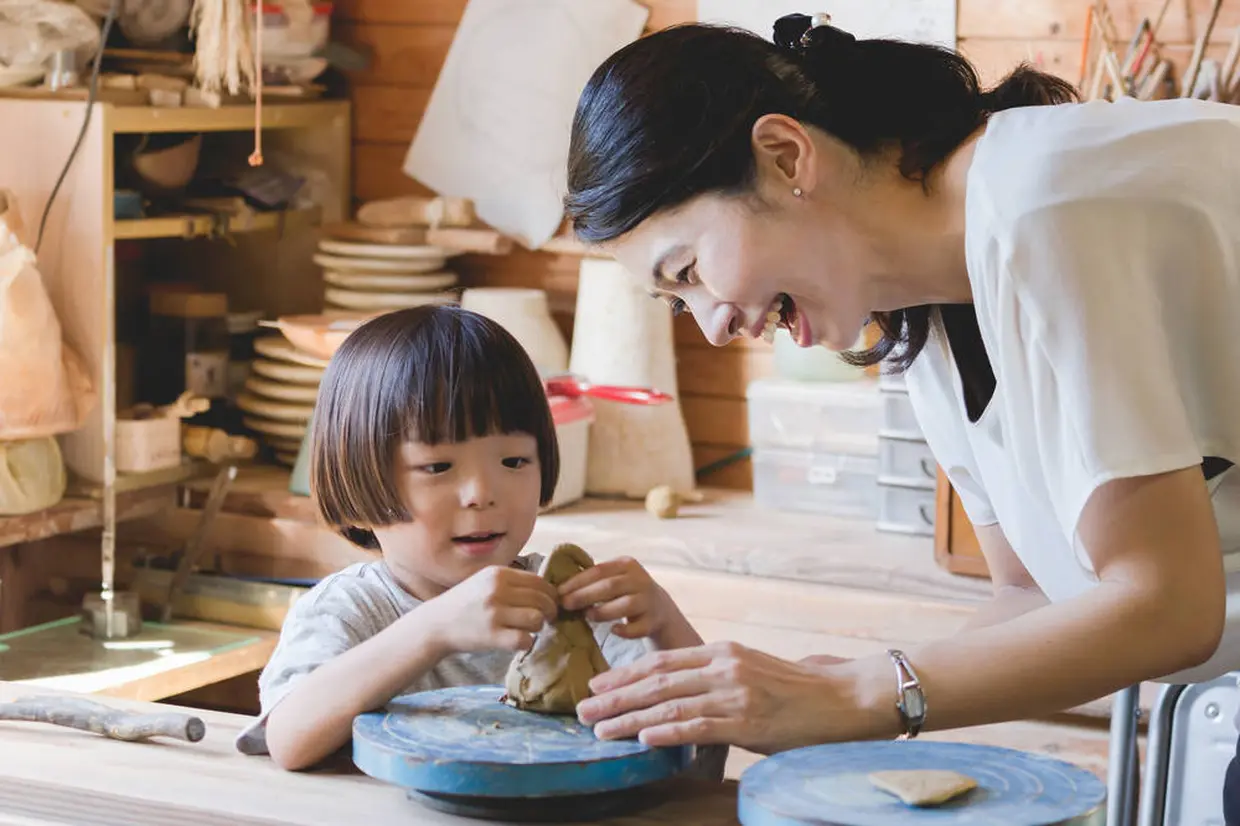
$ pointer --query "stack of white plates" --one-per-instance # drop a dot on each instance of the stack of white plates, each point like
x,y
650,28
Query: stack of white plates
x,y
384,277
279,395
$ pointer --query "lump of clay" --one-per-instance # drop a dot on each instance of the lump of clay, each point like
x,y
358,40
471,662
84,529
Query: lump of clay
x,y
663,502
923,787
554,675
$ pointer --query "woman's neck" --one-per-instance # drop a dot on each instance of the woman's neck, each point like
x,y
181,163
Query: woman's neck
x,y
920,236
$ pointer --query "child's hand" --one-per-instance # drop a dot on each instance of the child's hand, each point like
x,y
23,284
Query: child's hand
x,y
496,608
620,589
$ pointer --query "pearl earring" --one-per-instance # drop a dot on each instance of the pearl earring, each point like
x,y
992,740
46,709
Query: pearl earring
x,y
796,191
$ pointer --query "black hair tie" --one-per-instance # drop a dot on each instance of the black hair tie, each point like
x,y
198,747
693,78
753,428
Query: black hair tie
x,y
798,32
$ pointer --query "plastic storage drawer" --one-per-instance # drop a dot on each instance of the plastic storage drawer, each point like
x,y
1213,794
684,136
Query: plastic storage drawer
x,y
835,484
830,417
906,462
898,416
906,510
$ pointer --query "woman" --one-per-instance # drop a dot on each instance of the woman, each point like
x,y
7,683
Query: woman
x,y
1059,281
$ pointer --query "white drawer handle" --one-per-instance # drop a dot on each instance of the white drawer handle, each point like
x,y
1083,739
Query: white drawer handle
x,y
822,476
928,468
927,514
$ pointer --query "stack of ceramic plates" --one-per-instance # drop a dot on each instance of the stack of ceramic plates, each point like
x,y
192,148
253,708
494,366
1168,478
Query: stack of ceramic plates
x,y
279,395
383,277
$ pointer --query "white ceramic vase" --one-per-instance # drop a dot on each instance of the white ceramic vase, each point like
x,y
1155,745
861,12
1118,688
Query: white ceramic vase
x,y
523,313
621,336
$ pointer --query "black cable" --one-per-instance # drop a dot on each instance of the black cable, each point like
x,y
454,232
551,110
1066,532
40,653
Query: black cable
x,y
92,93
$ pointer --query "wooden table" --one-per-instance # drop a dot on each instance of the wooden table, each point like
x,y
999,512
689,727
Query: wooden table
x,y
161,661
51,775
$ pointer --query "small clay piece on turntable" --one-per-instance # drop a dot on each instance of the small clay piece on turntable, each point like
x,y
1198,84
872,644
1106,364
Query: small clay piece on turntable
x,y
923,787
554,675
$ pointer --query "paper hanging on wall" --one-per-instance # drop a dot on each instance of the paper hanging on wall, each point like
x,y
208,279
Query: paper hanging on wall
x,y
920,21
496,128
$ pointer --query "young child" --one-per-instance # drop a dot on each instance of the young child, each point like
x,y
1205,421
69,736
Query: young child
x,y
433,443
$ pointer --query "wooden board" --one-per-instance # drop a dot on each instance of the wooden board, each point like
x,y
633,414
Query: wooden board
x,y
53,774
161,661
73,514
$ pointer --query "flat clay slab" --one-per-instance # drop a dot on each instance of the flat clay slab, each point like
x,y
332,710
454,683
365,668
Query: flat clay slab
x,y
923,787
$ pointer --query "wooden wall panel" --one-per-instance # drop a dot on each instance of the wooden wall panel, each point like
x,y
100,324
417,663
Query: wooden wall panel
x,y
1037,19
408,41
399,55
998,34
995,57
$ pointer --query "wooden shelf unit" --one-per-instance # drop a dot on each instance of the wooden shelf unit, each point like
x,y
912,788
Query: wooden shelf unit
x,y
955,543
77,255
197,225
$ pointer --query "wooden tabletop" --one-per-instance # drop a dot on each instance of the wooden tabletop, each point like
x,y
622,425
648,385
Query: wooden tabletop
x,y
53,774
161,661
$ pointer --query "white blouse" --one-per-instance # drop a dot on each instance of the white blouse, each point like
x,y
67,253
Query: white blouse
x,y
1103,248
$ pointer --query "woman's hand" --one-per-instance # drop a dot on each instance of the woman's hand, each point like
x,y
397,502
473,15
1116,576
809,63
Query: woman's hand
x,y
720,693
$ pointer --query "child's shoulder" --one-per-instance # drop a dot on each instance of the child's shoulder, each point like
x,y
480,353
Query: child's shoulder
x,y
363,590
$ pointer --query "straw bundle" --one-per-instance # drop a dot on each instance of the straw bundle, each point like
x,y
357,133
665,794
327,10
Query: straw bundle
x,y
223,57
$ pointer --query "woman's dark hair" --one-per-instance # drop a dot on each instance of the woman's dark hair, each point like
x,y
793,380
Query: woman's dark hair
x,y
670,116
430,374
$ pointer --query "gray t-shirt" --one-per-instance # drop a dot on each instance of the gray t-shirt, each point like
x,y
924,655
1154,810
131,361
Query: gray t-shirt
x,y
353,605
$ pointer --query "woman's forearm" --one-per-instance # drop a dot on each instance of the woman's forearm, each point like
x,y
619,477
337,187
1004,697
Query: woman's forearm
x,y
316,717
1051,658
1008,603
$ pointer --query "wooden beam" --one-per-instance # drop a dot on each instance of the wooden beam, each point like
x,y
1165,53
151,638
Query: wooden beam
x,y
71,515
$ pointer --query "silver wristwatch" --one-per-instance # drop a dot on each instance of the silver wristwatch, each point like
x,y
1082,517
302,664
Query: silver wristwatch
x,y
911,700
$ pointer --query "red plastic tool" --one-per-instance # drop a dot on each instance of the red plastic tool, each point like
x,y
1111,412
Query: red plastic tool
x,y
574,386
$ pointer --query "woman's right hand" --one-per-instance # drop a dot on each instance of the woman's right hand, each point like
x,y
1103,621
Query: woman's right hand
x,y
496,608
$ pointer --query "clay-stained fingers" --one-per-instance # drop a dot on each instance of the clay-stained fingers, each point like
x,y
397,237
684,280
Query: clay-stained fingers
x,y
603,589
629,606
511,639
634,627
520,619
530,590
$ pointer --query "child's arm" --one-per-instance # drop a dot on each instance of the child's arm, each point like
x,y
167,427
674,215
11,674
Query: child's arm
x,y
496,608
315,718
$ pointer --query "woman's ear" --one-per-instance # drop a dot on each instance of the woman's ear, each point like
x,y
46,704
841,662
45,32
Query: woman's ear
x,y
785,156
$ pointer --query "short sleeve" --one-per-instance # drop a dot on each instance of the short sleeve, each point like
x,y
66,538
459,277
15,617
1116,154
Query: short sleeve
x,y
1093,328
619,650
313,633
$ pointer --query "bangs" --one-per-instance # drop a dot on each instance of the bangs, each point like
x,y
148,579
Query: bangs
x,y
468,388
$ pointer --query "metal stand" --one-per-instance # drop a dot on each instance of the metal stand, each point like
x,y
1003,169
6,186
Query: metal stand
x,y
1123,763
1136,798
1158,756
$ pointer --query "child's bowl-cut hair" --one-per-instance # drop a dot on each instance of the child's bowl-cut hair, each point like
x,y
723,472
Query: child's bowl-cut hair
x,y
430,374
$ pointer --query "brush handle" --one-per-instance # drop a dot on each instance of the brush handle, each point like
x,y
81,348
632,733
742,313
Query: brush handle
x,y
87,715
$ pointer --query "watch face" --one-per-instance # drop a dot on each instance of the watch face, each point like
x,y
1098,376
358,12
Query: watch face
x,y
914,705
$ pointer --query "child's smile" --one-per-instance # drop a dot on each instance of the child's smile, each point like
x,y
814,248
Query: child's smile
x,y
479,544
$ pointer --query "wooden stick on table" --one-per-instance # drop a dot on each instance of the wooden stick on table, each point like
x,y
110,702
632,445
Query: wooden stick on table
x,y
87,715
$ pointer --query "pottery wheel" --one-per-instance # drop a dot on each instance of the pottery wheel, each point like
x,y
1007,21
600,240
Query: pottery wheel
x,y
828,786
461,750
